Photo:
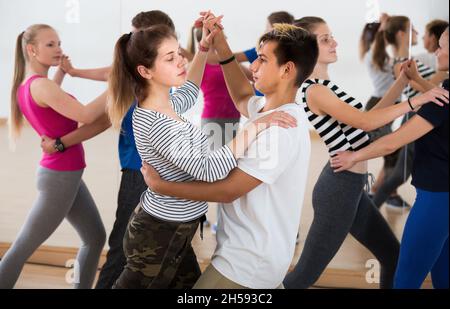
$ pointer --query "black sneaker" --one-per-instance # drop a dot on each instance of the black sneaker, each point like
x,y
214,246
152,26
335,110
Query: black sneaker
x,y
397,204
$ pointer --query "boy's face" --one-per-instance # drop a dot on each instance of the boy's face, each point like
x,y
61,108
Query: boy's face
x,y
266,71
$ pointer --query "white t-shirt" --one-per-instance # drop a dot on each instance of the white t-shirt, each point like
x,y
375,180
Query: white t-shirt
x,y
257,232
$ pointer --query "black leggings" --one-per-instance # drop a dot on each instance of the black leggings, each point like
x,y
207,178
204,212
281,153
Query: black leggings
x,y
341,206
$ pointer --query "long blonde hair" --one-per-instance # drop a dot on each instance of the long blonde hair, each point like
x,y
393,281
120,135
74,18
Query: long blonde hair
x,y
27,37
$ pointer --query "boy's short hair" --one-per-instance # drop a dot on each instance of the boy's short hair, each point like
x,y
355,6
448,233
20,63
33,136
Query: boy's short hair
x,y
294,44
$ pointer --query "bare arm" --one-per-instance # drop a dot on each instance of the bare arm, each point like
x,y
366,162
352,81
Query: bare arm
x,y
394,92
59,77
239,87
99,74
197,67
48,94
322,100
87,131
83,133
417,82
406,134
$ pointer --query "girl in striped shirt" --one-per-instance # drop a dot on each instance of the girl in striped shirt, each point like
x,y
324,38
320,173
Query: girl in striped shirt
x,y
341,206
147,64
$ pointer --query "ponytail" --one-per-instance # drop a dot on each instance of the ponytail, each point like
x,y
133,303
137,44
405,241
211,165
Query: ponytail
x,y
16,116
120,88
15,120
367,38
195,37
388,36
191,42
380,56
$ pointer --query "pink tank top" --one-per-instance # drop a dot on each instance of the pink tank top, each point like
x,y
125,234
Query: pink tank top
x,y
46,121
217,100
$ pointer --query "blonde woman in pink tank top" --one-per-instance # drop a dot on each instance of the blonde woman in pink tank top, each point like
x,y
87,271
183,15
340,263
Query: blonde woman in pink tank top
x,y
62,194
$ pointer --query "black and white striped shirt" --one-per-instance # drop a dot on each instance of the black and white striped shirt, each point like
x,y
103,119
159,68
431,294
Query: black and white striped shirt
x,y
336,135
179,151
425,71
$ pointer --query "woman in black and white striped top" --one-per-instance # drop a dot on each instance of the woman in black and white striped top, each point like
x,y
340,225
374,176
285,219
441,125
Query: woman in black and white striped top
x,y
341,206
146,65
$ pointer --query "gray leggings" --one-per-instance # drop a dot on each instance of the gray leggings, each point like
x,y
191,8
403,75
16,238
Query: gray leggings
x,y
341,206
61,195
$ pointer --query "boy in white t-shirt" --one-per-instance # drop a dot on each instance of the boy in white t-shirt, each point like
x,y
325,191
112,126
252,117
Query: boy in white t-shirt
x,y
257,230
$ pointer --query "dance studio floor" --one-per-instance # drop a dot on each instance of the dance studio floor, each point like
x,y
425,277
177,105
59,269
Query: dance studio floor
x,y
17,183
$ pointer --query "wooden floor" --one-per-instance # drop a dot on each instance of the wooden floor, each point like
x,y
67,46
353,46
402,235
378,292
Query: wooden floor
x,y
17,185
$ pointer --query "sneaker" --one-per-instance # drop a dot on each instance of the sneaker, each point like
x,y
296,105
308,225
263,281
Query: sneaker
x,y
397,204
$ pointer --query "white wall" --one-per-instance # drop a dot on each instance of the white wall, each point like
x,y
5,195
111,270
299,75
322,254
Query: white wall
x,y
88,30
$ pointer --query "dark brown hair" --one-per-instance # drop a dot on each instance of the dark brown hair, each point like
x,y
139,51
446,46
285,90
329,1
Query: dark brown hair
x,y
152,18
125,83
281,17
294,44
388,36
309,22
436,28
368,37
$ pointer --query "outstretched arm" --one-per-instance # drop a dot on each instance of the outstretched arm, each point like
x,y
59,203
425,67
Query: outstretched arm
x,y
406,134
239,87
323,101
98,74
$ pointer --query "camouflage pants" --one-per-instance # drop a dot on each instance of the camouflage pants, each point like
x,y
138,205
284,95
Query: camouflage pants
x,y
159,254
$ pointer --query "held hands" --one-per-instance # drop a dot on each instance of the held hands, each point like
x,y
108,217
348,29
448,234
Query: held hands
x,y
48,145
151,176
409,69
343,161
211,26
66,65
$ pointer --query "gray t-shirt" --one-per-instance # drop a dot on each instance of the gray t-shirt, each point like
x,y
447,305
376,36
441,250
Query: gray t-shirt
x,y
381,80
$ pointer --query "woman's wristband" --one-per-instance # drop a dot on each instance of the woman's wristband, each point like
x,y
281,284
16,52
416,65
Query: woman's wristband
x,y
203,48
410,104
229,60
